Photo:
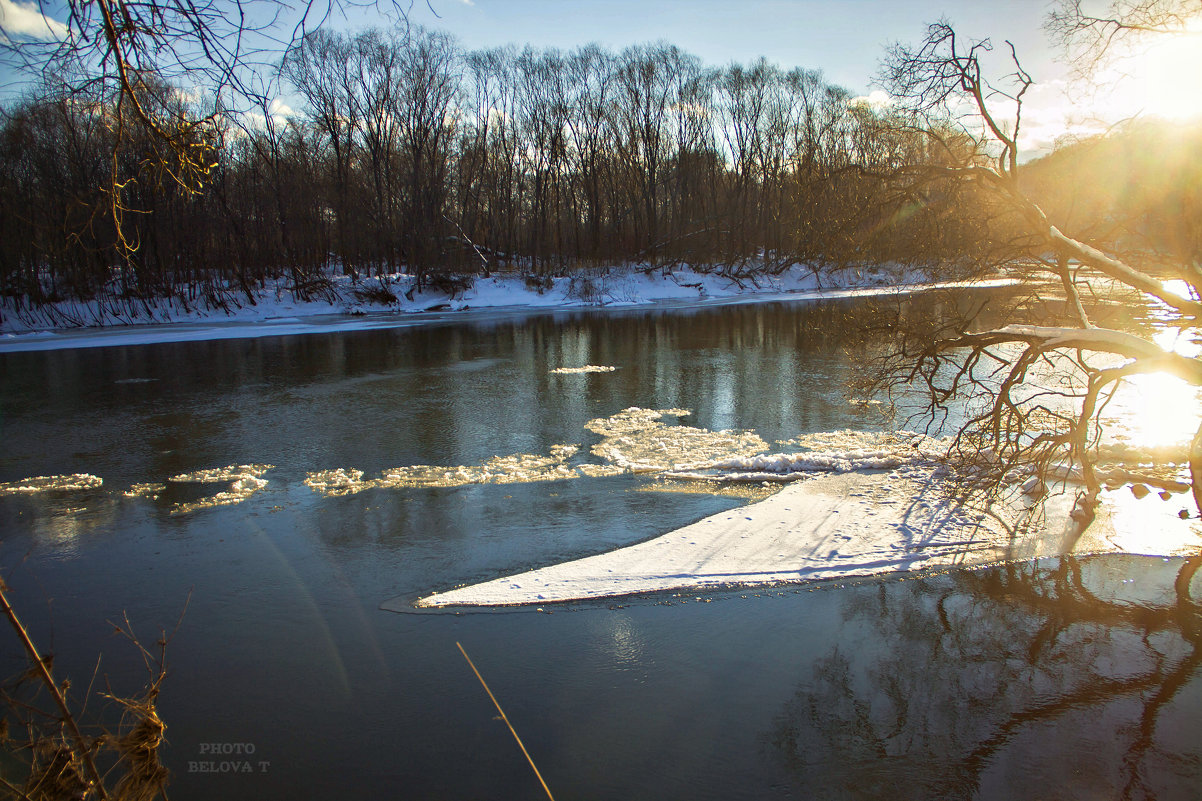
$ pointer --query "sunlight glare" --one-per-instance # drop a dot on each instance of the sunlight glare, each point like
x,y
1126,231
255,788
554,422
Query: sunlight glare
x,y
1156,411
1162,81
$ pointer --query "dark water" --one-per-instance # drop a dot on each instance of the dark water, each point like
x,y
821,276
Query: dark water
x,y
1075,679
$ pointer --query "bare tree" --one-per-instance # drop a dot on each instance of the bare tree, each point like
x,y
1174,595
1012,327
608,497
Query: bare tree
x,y
1090,38
130,55
1036,391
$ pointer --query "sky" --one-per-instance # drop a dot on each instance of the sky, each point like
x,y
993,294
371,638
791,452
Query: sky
x,y
845,39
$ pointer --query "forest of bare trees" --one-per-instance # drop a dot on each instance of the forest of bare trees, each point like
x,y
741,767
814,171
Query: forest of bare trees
x,y
409,154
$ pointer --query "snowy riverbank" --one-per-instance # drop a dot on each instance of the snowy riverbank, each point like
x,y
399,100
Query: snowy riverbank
x,y
357,306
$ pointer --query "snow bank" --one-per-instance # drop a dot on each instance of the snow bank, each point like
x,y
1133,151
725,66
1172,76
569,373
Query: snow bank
x,y
275,312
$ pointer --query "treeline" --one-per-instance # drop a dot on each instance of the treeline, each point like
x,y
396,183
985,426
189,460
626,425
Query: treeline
x,y
410,154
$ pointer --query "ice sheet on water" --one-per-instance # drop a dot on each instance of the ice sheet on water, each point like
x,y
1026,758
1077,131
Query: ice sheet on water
x,y
705,485
217,475
75,482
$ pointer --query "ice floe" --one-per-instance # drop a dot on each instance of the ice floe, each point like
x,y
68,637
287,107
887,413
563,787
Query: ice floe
x,y
75,482
244,481
150,490
637,440
633,440
518,468
825,452
836,526
588,368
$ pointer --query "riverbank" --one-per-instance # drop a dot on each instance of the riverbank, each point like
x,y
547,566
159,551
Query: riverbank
x,y
392,301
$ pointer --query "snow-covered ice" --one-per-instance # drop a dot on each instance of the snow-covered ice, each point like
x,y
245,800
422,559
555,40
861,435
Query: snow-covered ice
x,y
837,526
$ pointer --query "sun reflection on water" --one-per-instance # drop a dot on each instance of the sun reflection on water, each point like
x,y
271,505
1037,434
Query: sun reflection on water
x,y
1158,410
1155,411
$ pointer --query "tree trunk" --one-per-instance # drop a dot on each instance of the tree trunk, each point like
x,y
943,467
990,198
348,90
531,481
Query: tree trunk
x,y
1195,468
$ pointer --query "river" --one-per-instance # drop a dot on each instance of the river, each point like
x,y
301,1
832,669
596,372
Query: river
x,y
1074,678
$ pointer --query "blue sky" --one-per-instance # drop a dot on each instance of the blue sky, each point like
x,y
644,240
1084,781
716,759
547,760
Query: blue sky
x,y
843,39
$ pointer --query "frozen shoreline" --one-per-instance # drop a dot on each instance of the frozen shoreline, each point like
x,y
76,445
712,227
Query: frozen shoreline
x,y
836,526
276,313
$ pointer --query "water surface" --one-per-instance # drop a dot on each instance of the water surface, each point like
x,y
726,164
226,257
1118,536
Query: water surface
x,y
1075,678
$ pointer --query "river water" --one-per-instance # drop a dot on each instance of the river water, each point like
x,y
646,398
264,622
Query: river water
x,y
1073,678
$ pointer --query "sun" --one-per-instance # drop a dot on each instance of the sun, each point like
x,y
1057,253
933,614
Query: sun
x,y
1161,80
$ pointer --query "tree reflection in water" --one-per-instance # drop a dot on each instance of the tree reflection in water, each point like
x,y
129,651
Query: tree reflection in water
x,y
1071,679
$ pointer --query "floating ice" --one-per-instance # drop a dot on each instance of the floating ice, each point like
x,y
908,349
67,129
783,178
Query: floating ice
x,y
244,480
825,452
75,482
588,368
339,481
519,468
748,490
637,440
151,491
632,441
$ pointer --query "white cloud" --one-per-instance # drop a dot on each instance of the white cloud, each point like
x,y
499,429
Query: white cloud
x,y
875,99
25,20
277,110
280,110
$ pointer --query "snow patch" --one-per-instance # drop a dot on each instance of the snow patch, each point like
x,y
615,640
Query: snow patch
x,y
841,525
836,526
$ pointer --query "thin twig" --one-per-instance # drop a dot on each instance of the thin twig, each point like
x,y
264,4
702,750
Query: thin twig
x,y
507,723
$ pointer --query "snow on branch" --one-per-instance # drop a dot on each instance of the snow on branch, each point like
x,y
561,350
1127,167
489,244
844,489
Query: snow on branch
x,y
1100,340
1120,271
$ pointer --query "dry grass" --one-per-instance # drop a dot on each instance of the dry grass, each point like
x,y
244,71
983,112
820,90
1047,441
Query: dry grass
x,y
50,754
